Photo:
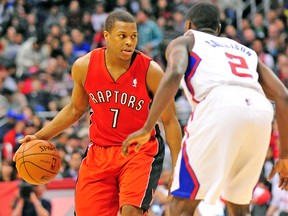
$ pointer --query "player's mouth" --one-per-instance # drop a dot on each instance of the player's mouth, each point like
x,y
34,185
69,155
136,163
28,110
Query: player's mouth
x,y
127,51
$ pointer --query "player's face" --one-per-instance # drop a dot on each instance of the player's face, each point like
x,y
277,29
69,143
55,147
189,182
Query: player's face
x,y
122,39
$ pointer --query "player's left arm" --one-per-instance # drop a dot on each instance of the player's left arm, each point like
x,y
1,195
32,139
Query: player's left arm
x,y
164,92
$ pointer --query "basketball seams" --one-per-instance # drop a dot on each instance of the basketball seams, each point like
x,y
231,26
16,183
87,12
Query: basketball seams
x,y
30,166
38,167
40,154
29,173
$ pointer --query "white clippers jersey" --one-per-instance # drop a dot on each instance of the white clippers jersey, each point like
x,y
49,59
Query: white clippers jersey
x,y
217,61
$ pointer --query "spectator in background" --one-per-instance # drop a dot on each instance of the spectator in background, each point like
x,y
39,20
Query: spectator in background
x,y
179,21
232,33
259,26
10,44
71,171
281,62
31,30
163,8
98,17
67,50
7,171
248,37
87,27
54,15
74,14
279,202
272,41
121,5
261,198
72,144
11,118
266,58
31,201
149,35
81,47
33,52
98,40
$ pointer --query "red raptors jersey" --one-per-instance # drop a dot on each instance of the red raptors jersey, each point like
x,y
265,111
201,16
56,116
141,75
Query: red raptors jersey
x,y
118,107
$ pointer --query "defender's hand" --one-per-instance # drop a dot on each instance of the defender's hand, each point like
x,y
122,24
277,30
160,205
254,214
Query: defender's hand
x,y
281,167
139,137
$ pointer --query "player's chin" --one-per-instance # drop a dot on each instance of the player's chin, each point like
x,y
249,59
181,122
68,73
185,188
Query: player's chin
x,y
126,54
125,58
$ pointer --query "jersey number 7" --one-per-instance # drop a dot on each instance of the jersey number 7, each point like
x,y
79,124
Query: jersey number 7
x,y
234,66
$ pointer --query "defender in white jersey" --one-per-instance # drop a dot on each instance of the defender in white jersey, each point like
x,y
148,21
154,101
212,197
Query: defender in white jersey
x,y
227,137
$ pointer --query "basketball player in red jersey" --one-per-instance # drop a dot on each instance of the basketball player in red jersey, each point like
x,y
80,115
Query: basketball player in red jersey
x,y
116,82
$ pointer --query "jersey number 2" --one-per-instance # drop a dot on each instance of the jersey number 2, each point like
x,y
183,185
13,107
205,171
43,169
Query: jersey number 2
x,y
234,66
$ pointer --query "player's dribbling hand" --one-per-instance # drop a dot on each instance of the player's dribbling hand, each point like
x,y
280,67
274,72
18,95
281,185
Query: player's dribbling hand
x,y
281,167
139,137
27,138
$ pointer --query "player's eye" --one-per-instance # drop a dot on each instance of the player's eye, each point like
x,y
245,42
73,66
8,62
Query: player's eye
x,y
122,36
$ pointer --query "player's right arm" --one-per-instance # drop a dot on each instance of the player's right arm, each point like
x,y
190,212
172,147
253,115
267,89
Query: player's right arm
x,y
277,92
72,111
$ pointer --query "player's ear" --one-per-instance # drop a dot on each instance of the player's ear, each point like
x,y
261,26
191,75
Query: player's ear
x,y
187,25
106,35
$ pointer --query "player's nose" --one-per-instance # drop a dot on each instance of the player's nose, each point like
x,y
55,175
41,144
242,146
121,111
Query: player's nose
x,y
128,41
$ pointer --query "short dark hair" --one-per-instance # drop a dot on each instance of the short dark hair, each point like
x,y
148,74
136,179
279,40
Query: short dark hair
x,y
119,15
204,15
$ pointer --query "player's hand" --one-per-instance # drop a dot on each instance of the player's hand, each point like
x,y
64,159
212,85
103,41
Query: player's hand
x,y
281,167
26,139
139,137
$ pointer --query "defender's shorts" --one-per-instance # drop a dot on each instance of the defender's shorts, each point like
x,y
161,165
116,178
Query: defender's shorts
x,y
225,146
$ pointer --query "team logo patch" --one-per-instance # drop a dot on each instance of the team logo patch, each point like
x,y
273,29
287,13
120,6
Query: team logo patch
x,y
134,83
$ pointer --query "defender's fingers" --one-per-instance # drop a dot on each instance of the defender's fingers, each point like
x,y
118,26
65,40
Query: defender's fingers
x,y
125,146
272,173
137,147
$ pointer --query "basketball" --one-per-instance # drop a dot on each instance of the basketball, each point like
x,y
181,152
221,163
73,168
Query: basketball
x,y
37,161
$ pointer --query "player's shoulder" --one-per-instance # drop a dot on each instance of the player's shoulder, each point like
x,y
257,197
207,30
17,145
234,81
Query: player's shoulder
x,y
82,61
80,67
185,42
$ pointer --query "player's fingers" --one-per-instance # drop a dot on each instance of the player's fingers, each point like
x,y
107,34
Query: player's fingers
x,y
125,146
283,183
272,173
137,147
124,149
25,139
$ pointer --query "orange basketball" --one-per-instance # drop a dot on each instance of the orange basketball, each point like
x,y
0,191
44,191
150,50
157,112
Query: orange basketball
x,y
37,161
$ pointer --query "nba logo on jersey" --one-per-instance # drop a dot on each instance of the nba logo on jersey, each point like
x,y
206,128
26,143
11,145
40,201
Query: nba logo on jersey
x,y
134,83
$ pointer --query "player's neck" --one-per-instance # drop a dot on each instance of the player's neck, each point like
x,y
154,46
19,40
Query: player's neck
x,y
115,61
207,30
116,66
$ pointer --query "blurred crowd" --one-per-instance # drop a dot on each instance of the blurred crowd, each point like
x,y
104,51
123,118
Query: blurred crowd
x,y
41,39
